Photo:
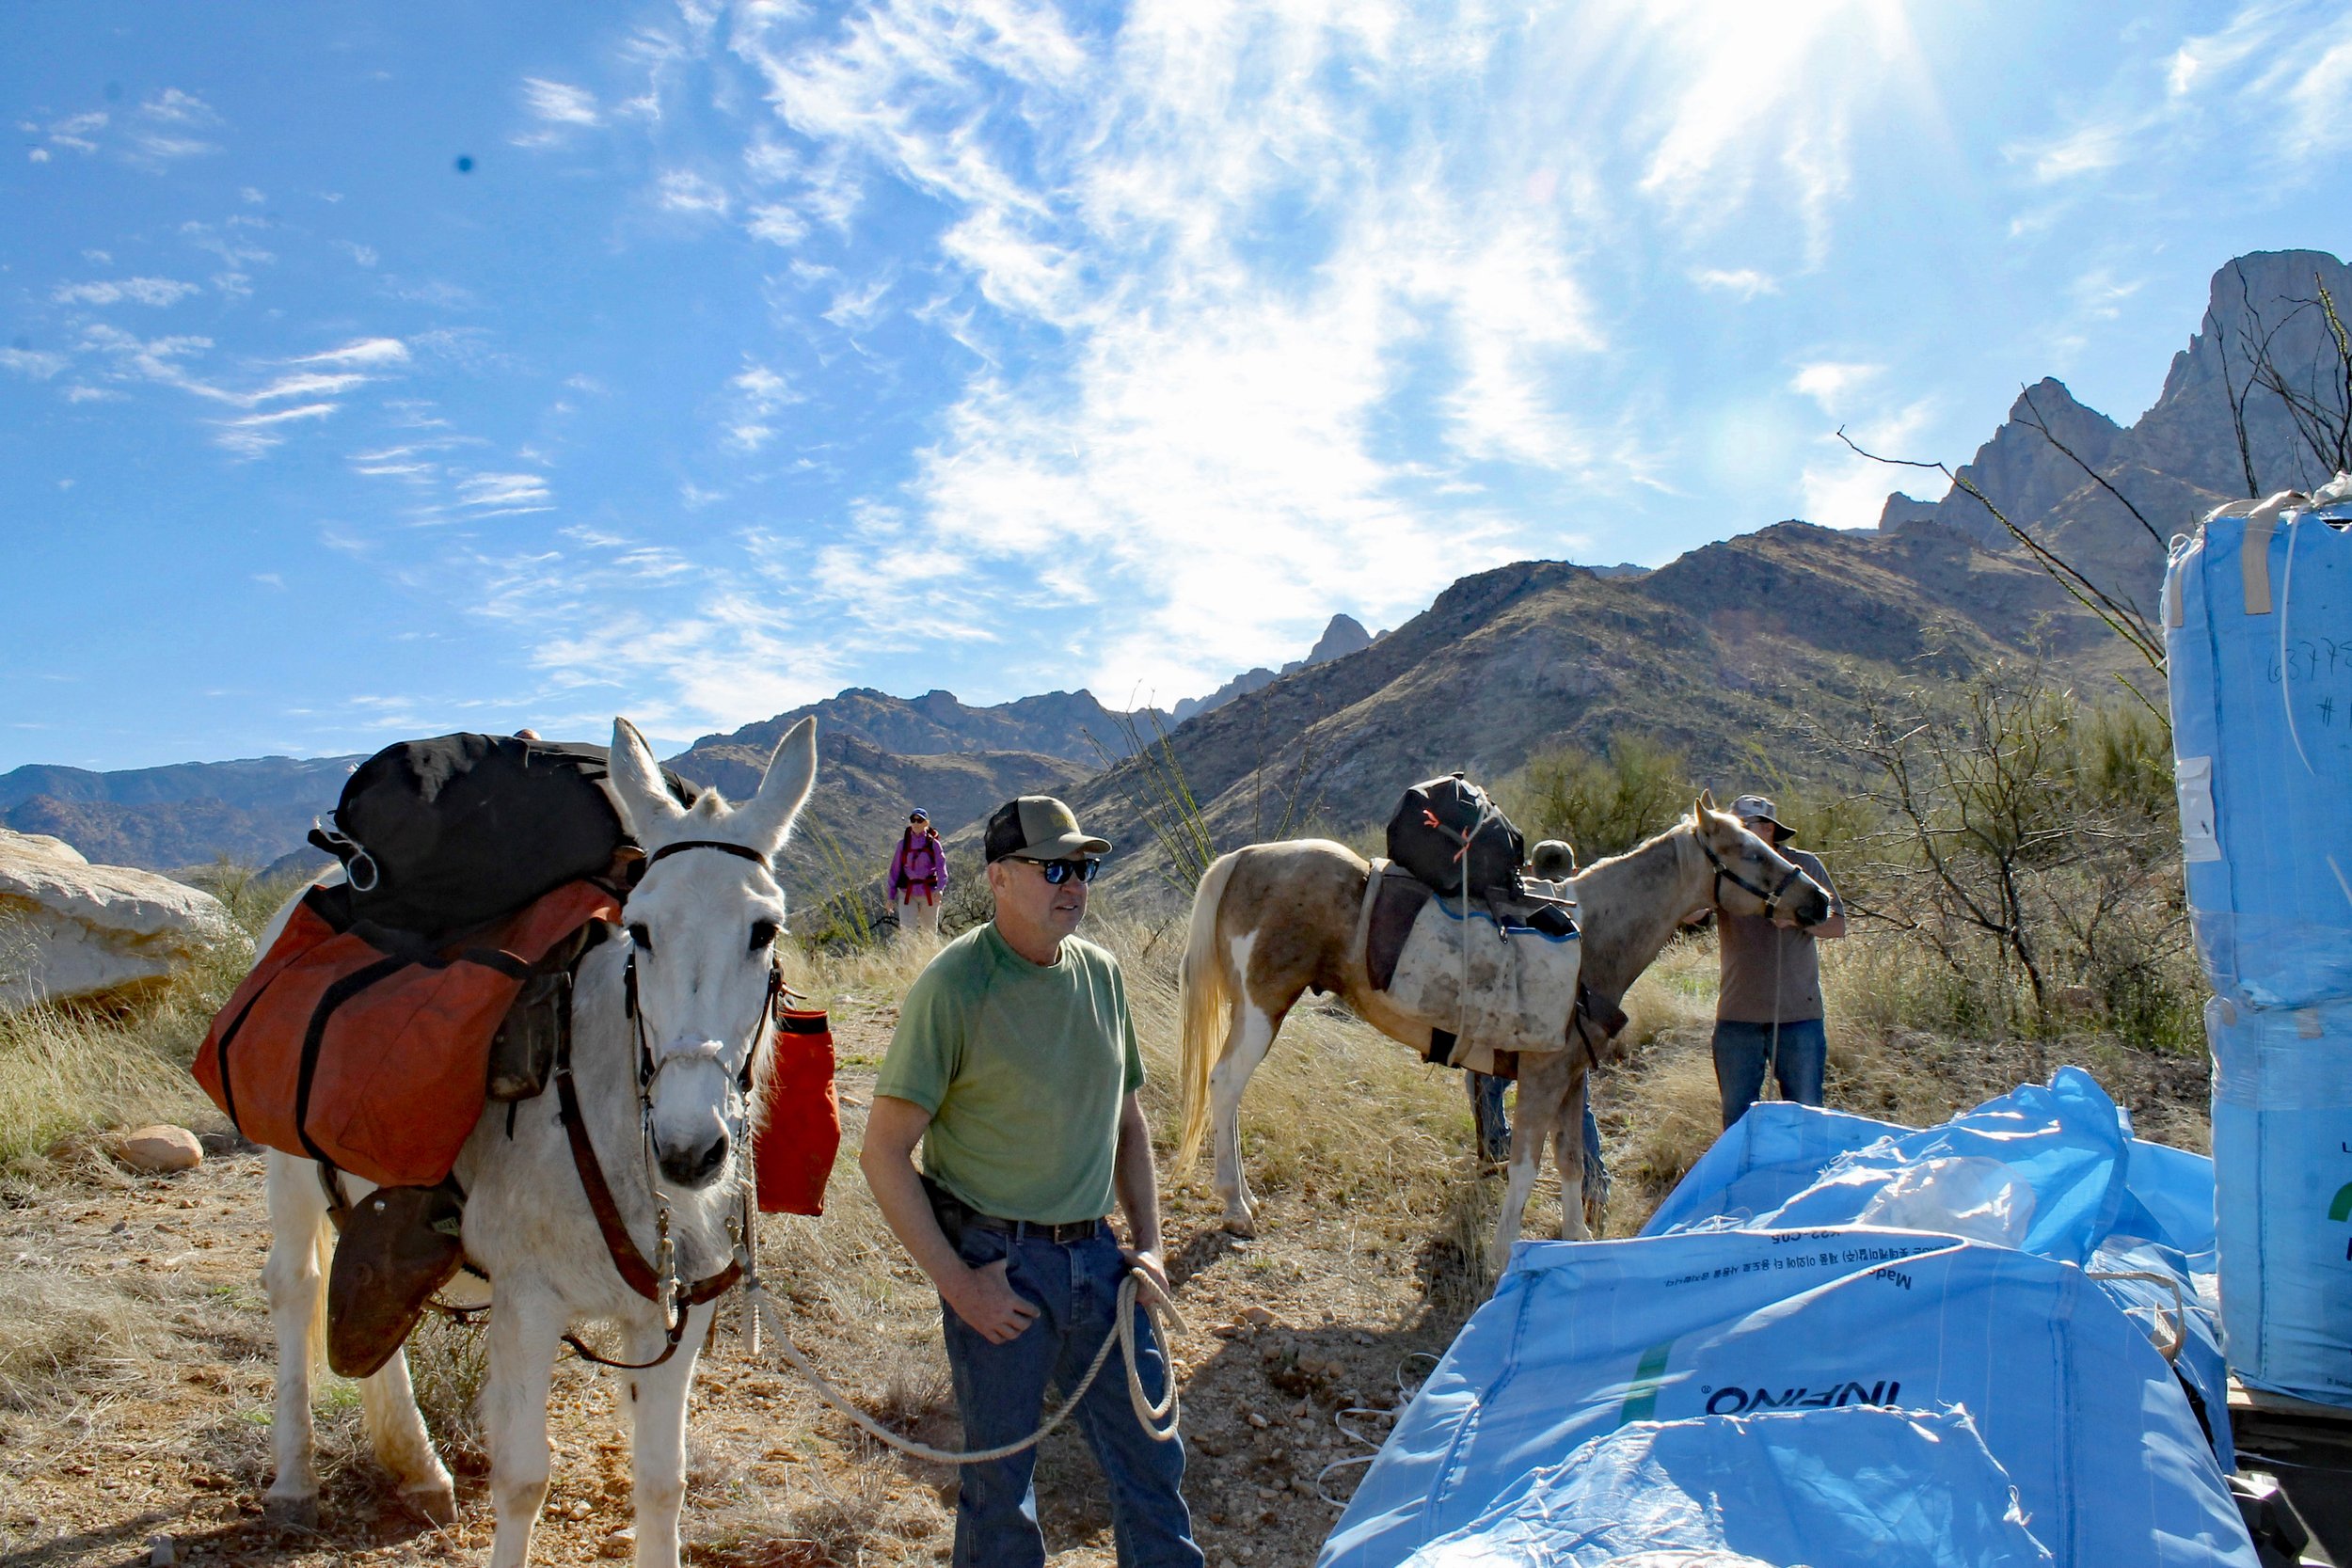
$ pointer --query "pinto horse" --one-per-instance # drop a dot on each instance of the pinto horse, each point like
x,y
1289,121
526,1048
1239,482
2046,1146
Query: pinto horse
x,y
1271,920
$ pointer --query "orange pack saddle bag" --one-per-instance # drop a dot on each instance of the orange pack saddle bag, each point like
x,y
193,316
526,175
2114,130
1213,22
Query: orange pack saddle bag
x,y
800,1127
368,1049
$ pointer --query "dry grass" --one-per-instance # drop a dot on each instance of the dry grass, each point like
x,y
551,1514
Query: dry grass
x,y
66,1335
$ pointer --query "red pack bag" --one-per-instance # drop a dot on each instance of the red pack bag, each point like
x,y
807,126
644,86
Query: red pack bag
x,y
352,1045
800,1129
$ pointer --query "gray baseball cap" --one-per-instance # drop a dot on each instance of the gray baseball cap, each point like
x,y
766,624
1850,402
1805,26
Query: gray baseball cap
x,y
1760,808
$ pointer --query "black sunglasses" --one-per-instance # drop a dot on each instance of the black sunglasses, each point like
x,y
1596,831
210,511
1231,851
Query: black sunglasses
x,y
1058,872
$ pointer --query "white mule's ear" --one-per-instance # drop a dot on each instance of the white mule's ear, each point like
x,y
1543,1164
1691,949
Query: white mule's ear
x,y
645,796
1705,803
783,790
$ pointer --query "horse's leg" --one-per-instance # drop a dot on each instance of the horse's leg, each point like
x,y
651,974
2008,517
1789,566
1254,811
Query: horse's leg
x,y
387,1401
1543,1090
297,1301
1569,1148
657,1401
525,1329
1247,1042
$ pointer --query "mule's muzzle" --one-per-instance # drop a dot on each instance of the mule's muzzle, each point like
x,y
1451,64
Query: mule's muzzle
x,y
1810,907
693,1164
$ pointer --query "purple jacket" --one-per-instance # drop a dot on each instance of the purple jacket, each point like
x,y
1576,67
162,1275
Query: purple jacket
x,y
918,864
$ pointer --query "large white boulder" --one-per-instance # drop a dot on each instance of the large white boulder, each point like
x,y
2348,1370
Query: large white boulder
x,y
69,929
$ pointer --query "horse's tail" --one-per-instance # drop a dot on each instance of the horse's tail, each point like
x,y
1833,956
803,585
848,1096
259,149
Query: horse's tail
x,y
1201,998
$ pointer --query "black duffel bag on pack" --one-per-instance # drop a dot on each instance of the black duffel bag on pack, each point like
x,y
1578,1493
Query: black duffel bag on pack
x,y
441,835
1445,825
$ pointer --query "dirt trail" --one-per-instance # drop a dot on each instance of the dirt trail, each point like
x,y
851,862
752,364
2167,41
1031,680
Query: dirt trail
x,y
160,1427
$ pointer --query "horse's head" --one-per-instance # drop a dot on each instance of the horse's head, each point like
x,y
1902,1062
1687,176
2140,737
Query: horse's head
x,y
1751,876
702,924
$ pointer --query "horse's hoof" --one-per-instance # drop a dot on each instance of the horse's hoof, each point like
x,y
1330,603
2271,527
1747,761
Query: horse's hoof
x,y
292,1513
1242,1224
437,1501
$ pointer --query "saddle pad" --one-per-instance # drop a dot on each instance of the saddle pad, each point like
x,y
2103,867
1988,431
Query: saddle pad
x,y
1498,986
374,1058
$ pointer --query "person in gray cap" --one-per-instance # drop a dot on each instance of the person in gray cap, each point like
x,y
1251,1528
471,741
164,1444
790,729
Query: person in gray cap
x,y
1768,1008
1015,1066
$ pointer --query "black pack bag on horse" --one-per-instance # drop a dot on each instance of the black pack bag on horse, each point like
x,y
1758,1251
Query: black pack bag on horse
x,y
1444,827
442,835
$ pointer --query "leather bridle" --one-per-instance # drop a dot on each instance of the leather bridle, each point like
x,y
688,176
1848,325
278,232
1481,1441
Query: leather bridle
x,y
1724,873
658,1281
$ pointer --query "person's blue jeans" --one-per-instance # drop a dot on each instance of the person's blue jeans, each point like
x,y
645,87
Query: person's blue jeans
x,y
1494,1128
1740,1055
1001,1393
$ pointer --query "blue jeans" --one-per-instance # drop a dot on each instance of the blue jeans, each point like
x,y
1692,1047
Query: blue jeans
x,y
1494,1128
1740,1049
1001,1393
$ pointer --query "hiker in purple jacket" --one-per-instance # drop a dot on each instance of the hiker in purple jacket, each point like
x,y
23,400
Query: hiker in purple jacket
x,y
918,876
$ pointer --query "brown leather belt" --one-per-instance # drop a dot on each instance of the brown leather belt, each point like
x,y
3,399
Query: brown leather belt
x,y
954,1215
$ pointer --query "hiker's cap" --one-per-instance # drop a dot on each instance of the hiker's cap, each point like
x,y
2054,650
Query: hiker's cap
x,y
918,814
1038,827
1760,808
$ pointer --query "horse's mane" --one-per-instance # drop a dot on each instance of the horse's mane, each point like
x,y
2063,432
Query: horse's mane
x,y
1687,821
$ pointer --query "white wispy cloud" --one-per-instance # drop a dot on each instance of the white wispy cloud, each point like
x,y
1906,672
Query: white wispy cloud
x,y
559,111
1746,283
680,190
138,290
1827,382
172,106
363,351
256,434
493,494
32,363
2088,150
755,396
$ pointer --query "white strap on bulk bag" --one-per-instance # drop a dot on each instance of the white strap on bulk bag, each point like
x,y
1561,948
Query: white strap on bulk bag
x,y
2192,782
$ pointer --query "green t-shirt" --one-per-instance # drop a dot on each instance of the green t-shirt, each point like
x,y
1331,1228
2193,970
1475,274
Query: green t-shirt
x,y
1024,1068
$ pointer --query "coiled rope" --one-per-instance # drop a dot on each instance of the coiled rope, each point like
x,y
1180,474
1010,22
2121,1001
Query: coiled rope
x,y
1159,1419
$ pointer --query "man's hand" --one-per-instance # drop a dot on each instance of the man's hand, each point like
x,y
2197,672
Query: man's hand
x,y
1146,1261
986,1301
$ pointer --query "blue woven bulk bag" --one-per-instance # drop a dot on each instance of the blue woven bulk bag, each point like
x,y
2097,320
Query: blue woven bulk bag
x,y
2071,1400
1861,1487
2283,1149
2258,637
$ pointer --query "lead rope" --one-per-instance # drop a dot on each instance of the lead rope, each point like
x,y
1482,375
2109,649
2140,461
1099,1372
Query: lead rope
x,y
1160,1421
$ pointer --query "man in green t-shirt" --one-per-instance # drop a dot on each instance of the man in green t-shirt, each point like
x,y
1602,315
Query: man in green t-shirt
x,y
1015,1068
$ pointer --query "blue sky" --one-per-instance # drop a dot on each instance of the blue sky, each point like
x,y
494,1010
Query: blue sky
x,y
372,370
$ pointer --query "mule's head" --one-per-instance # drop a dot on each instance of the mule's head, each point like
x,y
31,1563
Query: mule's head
x,y
702,924
1751,876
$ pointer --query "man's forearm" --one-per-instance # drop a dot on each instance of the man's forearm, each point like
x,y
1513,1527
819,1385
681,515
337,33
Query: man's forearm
x,y
906,1207
1138,1181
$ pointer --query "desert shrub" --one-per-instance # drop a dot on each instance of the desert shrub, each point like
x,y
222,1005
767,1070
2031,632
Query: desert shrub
x,y
448,1363
2030,849
1603,804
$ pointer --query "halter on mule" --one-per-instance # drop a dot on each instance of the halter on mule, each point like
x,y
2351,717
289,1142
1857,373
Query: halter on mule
x,y
658,1281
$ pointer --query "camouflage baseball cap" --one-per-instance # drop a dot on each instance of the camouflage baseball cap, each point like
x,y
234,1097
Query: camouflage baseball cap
x,y
1038,827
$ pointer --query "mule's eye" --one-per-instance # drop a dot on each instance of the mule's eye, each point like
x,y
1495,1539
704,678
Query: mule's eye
x,y
764,935
641,939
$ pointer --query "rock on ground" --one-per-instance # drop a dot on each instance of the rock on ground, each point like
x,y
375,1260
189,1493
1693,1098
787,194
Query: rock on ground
x,y
160,1149
70,930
